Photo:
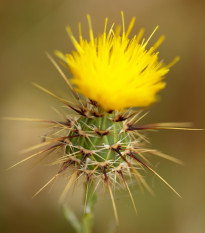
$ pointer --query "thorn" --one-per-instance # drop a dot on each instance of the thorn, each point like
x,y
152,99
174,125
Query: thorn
x,y
174,126
70,182
97,114
113,202
120,117
105,174
149,168
44,186
123,178
33,155
86,193
81,111
101,132
63,76
65,165
135,171
94,103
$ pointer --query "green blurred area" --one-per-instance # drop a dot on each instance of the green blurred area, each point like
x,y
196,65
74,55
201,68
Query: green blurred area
x,y
28,29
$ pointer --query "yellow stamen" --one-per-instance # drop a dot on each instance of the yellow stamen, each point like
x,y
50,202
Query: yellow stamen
x,y
75,43
173,62
151,35
105,28
158,43
90,29
140,34
80,33
123,24
130,26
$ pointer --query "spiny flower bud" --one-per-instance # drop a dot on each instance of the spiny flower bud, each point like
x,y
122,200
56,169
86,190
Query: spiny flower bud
x,y
103,140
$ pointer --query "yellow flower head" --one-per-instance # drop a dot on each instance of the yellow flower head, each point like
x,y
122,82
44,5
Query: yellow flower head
x,y
115,71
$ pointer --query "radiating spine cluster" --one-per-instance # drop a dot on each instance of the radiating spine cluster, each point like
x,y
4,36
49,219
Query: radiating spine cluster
x,y
102,146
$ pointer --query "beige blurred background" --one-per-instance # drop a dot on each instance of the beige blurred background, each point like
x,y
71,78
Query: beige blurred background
x,y
28,29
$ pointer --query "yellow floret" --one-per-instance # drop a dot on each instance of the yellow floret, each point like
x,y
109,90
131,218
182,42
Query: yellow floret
x,y
115,71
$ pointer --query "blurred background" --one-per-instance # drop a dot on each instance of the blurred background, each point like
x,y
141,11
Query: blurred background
x,y
28,29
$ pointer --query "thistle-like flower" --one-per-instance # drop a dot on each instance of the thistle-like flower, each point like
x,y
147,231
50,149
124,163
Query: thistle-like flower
x,y
114,77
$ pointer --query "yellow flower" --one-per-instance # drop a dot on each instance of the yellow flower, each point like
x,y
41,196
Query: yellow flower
x,y
115,71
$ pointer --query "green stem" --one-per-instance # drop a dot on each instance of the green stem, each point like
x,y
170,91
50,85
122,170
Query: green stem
x,y
85,225
88,217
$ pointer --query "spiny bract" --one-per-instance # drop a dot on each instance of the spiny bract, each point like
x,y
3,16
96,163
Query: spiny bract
x,y
102,140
